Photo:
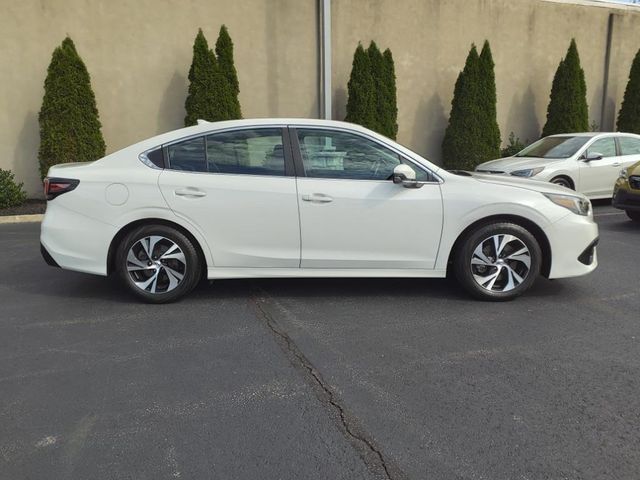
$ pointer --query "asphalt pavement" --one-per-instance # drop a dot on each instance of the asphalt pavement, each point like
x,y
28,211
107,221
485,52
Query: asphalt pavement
x,y
318,379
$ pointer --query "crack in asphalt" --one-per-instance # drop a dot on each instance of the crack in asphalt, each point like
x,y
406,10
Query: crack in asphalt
x,y
361,442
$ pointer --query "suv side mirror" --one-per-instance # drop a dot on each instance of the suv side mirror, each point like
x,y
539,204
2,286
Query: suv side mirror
x,y
588,157
405,175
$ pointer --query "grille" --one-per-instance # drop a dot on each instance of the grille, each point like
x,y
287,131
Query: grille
x,y
634,181
490,171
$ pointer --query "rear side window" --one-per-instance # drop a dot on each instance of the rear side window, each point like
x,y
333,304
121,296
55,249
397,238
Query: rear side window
x,y
248,152
188,156
629,146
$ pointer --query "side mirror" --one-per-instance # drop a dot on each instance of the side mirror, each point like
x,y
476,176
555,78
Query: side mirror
x,y
405,175
588,157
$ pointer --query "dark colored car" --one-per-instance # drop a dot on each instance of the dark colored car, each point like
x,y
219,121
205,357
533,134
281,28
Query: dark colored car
x,y
626,193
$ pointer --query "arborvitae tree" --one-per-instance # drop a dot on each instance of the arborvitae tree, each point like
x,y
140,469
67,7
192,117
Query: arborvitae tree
x,y
489,148
377,68
629,116
203,98
390,126
224,52
69,121
361,104
568,111
461,147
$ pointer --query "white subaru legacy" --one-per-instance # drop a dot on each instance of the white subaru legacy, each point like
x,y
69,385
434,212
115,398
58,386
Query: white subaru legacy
x,y
589,163
305,198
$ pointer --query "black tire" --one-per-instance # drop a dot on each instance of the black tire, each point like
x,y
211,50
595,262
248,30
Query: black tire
x,y
190,269
564,181
507,268
633,215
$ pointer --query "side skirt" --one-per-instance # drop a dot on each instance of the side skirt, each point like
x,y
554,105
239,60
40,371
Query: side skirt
x,y
221,273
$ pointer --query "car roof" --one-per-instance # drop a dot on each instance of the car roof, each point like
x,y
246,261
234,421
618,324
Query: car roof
x,y
592,134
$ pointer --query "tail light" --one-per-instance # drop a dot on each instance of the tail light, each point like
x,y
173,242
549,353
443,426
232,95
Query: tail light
x,y
57,186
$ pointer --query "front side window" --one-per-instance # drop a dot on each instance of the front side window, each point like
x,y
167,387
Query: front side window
x,y
188,155
343,155
605,147
250,152
629,146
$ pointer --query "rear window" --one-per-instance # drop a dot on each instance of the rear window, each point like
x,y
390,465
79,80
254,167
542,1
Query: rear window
x,y
188,155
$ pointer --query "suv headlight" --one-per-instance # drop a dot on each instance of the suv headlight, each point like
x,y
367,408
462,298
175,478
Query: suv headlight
x,y
529,172
623,174
578,205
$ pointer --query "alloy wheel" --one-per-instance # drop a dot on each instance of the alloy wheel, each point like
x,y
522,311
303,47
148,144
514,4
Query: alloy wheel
x,y
500,263
156,264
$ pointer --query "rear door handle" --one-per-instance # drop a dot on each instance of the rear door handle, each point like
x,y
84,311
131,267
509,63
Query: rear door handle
x,y
189,192
317,198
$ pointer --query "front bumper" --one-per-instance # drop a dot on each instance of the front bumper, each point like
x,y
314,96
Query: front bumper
x,y
573,241
626,200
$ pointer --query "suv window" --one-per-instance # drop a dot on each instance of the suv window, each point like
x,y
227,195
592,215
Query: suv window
x,y
343,155
629,145
605,147
188,155
250,152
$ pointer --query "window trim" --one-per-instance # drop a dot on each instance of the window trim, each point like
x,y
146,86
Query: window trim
x,y
299,163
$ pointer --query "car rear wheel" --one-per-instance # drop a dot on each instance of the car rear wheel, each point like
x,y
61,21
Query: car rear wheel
x,y
499,261
158,263
633,215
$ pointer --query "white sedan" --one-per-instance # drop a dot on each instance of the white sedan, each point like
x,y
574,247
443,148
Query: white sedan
x,y
586,162
305,198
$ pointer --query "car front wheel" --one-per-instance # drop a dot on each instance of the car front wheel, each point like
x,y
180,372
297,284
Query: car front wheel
x,y
158,263
499,261
633,215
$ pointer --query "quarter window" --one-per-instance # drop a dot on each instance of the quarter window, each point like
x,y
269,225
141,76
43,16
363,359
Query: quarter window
x,y
342,155
188,155
629,145
248,152
605,147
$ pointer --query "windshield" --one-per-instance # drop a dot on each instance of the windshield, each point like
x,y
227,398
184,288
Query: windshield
x,y
554,147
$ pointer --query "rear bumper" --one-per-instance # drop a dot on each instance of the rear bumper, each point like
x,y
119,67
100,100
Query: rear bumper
x,y
74,241
573,241
47,257
625,200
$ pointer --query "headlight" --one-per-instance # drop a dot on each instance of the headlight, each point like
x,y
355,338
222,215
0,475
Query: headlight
x,y
623,174
529,172
578,205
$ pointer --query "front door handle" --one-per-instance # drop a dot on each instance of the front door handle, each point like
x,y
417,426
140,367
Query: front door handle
x,y
189,192
617,164
317,198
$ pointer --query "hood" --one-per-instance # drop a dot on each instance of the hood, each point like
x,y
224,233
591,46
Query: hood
x,y
511,164
526,183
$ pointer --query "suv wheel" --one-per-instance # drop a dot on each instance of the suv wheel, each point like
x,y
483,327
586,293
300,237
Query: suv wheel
x,y
499,261
158,263
633,215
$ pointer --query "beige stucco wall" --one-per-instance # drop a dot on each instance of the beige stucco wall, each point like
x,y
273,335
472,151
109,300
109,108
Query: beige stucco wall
x,y
430,40
138,54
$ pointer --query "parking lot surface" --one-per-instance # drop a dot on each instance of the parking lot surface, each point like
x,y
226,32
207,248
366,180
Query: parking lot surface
x,y
320,378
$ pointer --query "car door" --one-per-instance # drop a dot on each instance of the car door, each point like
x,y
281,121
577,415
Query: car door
x,y
598,176
238,188
352,215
